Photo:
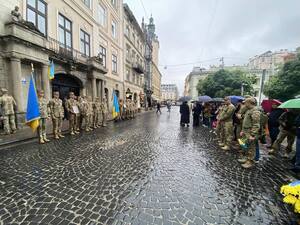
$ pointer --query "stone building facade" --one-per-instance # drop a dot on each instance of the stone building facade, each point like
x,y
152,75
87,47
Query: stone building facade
x,y
134,58
169,92
83,38
192,79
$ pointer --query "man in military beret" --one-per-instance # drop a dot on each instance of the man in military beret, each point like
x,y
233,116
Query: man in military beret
x,y
7,104
250,130
44,115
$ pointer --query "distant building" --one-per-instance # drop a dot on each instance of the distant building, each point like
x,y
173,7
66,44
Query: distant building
x,y
192,79
169,92
266,65
134,58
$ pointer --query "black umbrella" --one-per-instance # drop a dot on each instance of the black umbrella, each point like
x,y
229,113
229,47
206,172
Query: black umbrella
x,y
185,99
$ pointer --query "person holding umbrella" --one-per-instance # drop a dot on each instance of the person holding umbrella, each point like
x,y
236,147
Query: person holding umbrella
x,y
196,114
185,114
273,124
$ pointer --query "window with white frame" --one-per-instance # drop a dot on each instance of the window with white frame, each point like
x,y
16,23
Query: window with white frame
x,y
64,32
114,63
113,29
133,38
37,14
87,3
127,74
127,32
102,55
84,43
114,3
102,15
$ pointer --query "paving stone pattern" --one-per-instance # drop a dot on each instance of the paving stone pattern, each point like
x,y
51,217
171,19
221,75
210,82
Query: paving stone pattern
x,y
144,171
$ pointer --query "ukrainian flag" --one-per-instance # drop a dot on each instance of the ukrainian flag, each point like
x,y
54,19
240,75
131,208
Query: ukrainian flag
x,y
33,112
51,70
116,108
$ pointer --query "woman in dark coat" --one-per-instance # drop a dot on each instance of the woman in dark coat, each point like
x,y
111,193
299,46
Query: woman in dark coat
x,y
196,114
185,114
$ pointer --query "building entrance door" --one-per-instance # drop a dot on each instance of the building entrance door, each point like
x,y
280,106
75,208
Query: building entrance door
x,y
64,84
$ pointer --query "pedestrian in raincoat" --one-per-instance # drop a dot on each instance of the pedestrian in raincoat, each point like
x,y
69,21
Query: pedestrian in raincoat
x,y
196,114
185,114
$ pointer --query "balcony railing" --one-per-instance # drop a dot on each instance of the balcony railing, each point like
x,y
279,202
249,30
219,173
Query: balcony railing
x,y
65,52
138,68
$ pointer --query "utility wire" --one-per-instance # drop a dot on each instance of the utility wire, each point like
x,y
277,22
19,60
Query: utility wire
x,y
146,14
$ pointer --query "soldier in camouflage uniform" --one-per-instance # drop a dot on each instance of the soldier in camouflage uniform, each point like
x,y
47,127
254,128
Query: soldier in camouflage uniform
x,y
57,114
97,121
90,112
70,104
7,104
44,115
83,108
226,119
104,112
250,131
220,127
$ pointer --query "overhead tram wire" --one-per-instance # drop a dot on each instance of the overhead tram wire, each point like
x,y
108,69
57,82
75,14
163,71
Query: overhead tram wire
x,y
146,14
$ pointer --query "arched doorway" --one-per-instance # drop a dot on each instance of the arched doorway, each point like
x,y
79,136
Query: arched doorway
x,y
65,83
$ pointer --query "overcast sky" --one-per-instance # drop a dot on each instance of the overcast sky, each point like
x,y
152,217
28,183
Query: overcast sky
x,y
198,32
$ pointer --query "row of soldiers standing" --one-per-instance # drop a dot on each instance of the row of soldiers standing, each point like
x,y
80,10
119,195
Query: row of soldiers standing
x,y
248,129
128,109
83,114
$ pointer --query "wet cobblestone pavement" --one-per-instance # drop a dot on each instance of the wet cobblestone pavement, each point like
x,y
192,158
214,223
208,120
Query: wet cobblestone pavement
x,y
145,171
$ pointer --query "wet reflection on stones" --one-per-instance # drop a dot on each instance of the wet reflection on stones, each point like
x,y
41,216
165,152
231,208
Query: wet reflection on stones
x,y
144,171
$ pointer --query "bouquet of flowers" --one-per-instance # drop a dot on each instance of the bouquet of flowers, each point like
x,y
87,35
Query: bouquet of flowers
x,y
291,193
243,143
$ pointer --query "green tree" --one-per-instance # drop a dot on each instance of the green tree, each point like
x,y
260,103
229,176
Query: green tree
x,y
286,84
224,83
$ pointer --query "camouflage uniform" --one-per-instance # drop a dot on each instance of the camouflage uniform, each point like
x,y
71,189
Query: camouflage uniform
x,y
98,115
7,103
220,127
241,114
44,114
57,115
250,128
104,112
90,113
226,119
70,103
121,105
83,107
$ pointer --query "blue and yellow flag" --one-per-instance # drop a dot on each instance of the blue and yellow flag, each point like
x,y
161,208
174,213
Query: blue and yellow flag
x,y
33,111
116,108
51,70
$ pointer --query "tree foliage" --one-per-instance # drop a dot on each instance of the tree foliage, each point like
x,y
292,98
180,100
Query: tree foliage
x,y
224,83
286,84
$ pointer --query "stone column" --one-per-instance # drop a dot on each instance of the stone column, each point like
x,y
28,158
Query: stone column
x,y
94,88
17,83
46,81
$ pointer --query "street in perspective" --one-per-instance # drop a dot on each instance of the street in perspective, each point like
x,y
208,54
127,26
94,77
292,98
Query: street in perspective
x,y
147,171
141,112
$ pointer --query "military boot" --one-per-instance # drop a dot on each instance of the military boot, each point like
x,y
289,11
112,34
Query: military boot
x,y
226,147
248,164
60,135
242,160
42,140
72,132
45,138
221,144
56,136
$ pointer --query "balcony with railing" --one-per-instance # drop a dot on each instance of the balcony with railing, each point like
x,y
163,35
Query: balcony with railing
x,y
138,68
65,52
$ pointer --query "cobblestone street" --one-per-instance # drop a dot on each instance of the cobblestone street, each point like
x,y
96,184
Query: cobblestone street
x,y
144,171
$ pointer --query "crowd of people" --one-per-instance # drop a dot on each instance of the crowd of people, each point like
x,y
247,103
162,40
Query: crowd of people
x,y
245,125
